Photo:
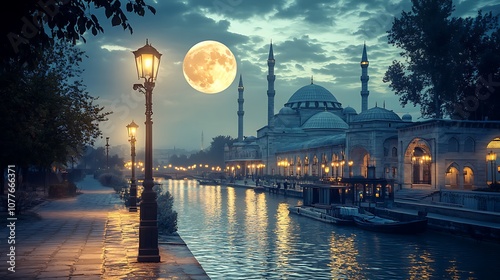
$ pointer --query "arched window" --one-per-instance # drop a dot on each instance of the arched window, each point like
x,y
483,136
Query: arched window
x,y
470,145
394,152
453,145
451,179
468,178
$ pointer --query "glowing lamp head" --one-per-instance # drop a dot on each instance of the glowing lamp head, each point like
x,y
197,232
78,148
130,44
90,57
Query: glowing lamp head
x,y
132,129
491,156
147,62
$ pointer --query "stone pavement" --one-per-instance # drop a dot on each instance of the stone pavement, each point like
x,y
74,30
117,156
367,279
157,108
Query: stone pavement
x,y
90,236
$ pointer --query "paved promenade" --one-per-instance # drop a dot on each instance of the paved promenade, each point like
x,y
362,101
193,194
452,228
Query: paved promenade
x,y
90,236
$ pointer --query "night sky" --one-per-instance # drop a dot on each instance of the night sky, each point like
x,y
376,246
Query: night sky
x,y
323,39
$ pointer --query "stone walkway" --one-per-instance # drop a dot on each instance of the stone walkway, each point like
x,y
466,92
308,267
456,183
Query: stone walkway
x,y
90,236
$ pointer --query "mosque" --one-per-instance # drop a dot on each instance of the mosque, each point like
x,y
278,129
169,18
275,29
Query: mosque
x,y
312,135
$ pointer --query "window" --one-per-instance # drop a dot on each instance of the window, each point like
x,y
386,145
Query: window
x,y
394,152
453,145
470,145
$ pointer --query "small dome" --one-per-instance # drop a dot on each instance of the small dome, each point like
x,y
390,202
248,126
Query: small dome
x,y
407,117
325,120
376,114
313,96
349,111
287,111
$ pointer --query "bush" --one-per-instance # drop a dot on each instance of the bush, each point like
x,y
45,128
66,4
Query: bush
x,y
167,217
112,180
62,190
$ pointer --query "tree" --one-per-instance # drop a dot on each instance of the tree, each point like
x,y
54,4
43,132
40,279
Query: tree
x,y
38,22
213,156
95,158
450,64
216,152
47,116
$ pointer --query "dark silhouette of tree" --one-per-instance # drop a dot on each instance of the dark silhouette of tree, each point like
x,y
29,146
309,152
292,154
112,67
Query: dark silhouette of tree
x,y
213,156
216,151
47,116
37,23
95,158
450,64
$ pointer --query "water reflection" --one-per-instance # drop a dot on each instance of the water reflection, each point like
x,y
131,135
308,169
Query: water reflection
x,y
236,233
343,254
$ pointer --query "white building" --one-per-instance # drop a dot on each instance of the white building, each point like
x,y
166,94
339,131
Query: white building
x,y
313,135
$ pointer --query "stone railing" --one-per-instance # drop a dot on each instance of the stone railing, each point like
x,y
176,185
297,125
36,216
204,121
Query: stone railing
x,y
483,201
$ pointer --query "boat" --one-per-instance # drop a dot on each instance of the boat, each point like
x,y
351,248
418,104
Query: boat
x,y
259,189
207,182
379,224
323,214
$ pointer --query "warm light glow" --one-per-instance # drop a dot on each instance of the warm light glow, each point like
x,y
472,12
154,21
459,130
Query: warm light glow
x,y
209,67
132,129
351,163
491,156
147,60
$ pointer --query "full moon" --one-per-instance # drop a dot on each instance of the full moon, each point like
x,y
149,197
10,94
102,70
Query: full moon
x,y
209,67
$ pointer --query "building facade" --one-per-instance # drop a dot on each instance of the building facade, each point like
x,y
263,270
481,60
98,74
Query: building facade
x,y
313,135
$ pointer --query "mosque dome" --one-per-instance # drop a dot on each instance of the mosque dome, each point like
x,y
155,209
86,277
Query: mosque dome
x,y
313,96
325,120
349,111
376,114
407,118
287,111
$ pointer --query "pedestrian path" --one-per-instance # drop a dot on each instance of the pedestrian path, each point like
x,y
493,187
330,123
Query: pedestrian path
x,y
90,236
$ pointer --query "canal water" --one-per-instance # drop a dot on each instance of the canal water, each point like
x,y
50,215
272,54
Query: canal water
x,y
236,233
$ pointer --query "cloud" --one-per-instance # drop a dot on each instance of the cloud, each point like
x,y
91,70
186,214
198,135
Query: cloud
x,y
114,48
323,38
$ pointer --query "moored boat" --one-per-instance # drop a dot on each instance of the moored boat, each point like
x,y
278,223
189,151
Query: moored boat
x,y
207,182
321,214
378,224
259,189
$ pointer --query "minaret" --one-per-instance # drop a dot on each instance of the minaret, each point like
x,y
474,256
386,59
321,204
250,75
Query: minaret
x,y
364,80
240,110
270,87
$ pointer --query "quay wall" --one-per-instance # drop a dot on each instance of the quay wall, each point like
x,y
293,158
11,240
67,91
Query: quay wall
x,y
446,225
476,200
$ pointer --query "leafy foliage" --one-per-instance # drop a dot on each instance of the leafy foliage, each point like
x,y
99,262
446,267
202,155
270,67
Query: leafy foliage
x,y
450,64
95,158
212,156
38,23
47,116
167,217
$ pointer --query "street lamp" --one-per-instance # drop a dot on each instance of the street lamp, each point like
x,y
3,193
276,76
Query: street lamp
x,y
107,152
147,60
132,199
492,158
350,163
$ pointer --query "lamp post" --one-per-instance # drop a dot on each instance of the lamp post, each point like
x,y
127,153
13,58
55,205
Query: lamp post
x,y
492,158
132,199
147,61
107,152
350,163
